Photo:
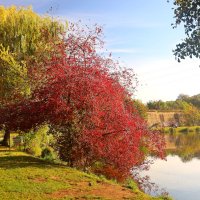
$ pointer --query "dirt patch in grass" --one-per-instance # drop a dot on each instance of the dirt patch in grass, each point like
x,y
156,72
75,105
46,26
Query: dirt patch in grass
x,y
103,189
37,179
84,184
54,178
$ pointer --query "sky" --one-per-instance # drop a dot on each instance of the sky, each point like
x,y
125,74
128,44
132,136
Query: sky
x,y
139,34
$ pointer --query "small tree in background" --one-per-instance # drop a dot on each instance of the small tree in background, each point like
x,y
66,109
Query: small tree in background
x,y
139,107
191,116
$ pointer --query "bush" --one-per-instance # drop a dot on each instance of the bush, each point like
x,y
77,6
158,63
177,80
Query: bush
x,y
35,141
197,129
185,130
162,130
172,130
166,131
20,147
48,151
50,158
48,154
37,151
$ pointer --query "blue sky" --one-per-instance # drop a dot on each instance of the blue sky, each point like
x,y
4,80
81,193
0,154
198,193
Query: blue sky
x,y
140,33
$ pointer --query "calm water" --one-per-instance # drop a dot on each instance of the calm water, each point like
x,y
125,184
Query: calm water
x,y
180,174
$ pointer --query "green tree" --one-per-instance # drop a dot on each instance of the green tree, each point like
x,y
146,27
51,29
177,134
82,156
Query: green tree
x,y
151,105
141,108
162,105
191,116
23,35
187,12
169,105
194,100
182,97
157,105
182,105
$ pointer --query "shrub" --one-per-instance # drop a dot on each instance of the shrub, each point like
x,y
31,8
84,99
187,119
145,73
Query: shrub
x,y
162,130
37,151
172,130
166,131
35,141
197,129
48,154
185,130
50,158
20,147
47,151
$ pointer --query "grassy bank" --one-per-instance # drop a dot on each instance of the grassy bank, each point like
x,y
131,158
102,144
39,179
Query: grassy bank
x,y
186,129
25,177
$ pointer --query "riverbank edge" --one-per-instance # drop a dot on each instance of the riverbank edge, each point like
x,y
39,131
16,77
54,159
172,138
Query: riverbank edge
x,y
23,167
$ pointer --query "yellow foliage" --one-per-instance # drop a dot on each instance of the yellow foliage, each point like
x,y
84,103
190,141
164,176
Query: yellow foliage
x,y
23,33
191,116
12,74
20,28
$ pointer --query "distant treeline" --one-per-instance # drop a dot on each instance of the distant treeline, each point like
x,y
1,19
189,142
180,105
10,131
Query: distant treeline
x,y
182,102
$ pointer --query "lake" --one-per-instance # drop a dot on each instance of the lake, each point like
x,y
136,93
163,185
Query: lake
x,y
180,174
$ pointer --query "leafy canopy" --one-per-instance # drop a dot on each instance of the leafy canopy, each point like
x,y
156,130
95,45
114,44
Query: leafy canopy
x,y
187,12
191,116
23,34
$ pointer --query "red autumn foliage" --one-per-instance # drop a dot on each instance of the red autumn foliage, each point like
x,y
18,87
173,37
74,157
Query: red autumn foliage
x,y
110,173
81,95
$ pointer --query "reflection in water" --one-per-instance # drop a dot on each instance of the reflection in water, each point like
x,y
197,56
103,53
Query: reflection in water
x,y
186,146
180,175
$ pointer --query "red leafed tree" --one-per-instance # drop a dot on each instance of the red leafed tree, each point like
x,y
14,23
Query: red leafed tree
x,y
82,97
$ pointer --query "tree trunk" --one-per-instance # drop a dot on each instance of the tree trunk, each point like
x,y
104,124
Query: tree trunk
x,y
6,138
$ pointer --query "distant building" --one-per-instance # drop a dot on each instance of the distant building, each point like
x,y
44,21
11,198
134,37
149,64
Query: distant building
x,y
164,118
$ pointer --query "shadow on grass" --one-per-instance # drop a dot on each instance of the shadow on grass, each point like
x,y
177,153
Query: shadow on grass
x,y
11,162
4,149
16,159
7,150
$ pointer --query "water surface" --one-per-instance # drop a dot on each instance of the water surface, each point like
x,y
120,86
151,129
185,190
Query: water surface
x,y
180,174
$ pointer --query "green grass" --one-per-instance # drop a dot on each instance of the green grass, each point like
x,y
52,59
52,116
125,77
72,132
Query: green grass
x,y
184,129
25,177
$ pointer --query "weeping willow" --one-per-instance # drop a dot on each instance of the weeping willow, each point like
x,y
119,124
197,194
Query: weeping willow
x,y
23,34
